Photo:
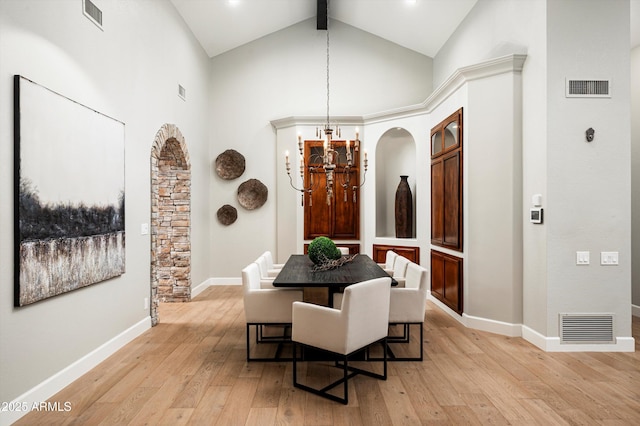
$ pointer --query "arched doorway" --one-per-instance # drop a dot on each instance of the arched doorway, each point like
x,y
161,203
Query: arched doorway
x,y
170,219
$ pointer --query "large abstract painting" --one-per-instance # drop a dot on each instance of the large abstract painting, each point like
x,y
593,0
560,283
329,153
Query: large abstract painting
x,y
69,194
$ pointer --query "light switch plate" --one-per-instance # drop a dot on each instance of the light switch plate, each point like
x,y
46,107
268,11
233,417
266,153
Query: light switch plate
x,y
582,258
609,258
144,229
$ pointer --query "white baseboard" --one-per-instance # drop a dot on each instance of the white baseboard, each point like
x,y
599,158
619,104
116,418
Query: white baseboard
x,y
493,326
478,323
548,344
66,376
225,281
635,310
200,288
533,337
195,291
453,314
552,344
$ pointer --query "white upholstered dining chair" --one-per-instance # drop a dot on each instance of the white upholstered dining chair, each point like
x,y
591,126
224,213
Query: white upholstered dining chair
x,y
263,307
266,281
362,320
389,261
272,268
400,269
343,250
408,306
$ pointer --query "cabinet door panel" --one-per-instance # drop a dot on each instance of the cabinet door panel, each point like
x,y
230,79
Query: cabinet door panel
x,y
452,283
437,275
437,200
446,279
317,213
446,182
411,253
452,203
345,223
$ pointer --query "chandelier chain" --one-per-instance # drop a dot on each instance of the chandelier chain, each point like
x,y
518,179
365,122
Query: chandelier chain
x,y
329,162
327,64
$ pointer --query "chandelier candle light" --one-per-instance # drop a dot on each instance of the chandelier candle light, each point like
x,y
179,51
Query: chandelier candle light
x,y
330,159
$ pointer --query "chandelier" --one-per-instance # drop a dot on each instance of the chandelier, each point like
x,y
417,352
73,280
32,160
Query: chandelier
x,y
333,160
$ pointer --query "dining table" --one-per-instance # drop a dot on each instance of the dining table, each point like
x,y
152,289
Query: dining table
x,y
320,285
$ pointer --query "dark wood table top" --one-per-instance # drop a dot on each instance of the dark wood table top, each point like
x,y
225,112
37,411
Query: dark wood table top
x,y
297,272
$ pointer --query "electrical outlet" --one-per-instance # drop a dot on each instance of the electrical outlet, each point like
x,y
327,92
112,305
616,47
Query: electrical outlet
x,y
582,258
609,258
146,303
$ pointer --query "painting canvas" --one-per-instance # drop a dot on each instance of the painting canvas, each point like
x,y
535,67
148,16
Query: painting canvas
x,y
69,194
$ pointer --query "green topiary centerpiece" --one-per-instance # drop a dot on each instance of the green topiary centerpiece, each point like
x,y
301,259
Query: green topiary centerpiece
x,y
322,249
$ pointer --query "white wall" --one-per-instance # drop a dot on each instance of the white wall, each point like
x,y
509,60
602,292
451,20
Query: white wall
x,y
493,199
589,190
281,75
490,95
494,28
129,71
635,177
558,41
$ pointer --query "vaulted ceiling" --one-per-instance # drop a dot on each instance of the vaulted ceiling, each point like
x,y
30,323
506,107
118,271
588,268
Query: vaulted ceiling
x,y
420,25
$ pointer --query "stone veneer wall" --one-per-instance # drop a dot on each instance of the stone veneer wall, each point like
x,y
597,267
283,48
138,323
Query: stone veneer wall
x,y
170,219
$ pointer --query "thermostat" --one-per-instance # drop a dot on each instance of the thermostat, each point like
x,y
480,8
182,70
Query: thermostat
x,y
536,215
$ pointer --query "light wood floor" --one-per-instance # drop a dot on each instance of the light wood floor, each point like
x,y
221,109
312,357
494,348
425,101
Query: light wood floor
x,y
191,369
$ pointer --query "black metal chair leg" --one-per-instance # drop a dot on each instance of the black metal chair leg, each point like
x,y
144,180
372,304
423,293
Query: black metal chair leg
x,y
261,339
348,373
392,356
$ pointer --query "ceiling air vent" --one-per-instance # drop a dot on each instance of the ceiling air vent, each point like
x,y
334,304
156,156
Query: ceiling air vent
x,y
586,328
588,88
92,12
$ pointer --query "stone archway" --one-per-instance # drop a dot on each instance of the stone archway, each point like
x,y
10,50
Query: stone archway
x,y
170,219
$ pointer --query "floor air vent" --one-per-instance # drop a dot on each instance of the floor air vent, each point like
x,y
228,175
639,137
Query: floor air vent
x,y
588,88
586,328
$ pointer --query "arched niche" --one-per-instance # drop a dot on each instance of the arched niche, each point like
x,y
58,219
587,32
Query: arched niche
x,y
398,149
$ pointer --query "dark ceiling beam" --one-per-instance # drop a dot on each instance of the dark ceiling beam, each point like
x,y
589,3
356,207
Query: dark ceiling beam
x,y
322,17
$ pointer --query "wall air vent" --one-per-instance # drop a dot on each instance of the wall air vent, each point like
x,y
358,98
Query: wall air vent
x,y
588,88
586,328
182,92
92,12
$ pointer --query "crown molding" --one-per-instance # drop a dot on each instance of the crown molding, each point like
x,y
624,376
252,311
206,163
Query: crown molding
x,y
342,120
504,64
492,67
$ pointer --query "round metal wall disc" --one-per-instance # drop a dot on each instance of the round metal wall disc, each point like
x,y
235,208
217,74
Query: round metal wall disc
x,y
252,194
230,164
227,214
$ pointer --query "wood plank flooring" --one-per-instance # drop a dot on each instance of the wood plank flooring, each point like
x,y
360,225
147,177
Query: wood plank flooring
x,y
191,369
